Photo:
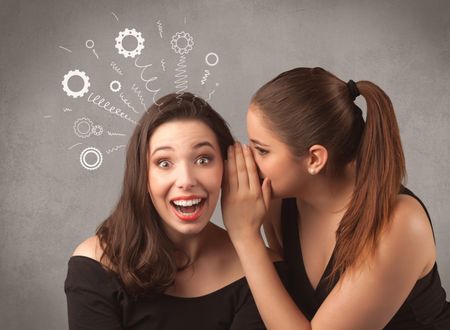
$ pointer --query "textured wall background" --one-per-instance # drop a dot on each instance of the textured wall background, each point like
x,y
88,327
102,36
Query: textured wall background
x,y
49,202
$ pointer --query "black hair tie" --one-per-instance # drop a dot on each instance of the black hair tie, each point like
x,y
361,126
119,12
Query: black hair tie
x,y
354,92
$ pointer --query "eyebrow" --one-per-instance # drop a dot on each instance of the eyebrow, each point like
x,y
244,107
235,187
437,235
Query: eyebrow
x,y
197,146
257,142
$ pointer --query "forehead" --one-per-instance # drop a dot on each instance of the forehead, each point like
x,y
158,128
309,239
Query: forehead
x,y
257,126
182,134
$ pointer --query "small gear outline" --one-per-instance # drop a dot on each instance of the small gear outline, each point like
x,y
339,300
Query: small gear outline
x,y
80,133
140,43
91,150
115,89
189,43
97,130
82,75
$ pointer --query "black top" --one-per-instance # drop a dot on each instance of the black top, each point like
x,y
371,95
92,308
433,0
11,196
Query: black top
x,y
424,308
96,300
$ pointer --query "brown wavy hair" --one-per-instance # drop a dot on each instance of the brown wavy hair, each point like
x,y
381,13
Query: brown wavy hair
x,y
134,243
308,106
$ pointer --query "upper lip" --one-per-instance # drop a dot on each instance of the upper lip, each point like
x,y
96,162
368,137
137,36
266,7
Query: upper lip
x,y
187,198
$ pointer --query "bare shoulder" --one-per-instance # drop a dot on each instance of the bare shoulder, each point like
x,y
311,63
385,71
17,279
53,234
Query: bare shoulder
x,y
409,217
410,234
89,248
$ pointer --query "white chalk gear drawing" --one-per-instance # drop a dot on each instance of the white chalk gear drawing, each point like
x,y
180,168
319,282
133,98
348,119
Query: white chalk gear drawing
x,y
139,39
80,131
115,89
97,130
189,43
86,83
98,162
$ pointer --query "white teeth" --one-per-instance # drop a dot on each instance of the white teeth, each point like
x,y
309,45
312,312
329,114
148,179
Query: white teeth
x,y
187,202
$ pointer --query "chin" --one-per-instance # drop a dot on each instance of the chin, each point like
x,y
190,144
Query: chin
x,y
190,229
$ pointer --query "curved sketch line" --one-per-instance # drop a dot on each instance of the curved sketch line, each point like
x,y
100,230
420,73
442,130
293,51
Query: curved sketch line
x,y
209,95
74,146
115,16
65,49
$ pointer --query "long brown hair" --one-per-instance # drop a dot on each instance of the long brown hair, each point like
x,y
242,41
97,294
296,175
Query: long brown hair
x,y
308,106
134,243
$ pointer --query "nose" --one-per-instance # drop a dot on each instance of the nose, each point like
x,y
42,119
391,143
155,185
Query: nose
x,y
185,177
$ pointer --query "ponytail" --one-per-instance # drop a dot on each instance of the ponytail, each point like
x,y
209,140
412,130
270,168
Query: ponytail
x,y
308,106
380,170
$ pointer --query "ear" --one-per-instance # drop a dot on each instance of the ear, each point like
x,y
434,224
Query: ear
x,y
317,159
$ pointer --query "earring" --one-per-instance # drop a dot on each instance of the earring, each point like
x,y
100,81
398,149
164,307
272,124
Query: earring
x,y
312,171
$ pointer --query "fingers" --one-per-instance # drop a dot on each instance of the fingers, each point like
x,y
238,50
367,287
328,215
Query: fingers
x,y
241,167
267,192
253,177
225,183
231,172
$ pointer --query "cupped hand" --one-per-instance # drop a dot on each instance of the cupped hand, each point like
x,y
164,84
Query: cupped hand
x,y
244,201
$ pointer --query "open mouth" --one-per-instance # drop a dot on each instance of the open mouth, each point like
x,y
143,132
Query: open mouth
x,y
188,210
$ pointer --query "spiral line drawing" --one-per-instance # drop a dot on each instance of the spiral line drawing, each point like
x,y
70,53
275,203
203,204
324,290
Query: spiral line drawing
x,y
181,83
205,77
116,68
127,103
138,92
160,28
115,149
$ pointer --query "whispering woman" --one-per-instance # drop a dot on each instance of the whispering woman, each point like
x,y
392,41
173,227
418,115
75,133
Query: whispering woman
x,y
359,245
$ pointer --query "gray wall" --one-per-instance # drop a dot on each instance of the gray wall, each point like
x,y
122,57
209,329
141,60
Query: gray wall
x,y
49,202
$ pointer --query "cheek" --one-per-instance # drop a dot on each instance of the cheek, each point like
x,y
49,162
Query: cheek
x,y
210,180
157,185
267,167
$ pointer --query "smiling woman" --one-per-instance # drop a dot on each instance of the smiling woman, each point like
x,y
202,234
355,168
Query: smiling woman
x,y
157,262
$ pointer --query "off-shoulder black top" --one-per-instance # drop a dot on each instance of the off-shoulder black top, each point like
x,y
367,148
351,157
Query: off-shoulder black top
x,y
96,300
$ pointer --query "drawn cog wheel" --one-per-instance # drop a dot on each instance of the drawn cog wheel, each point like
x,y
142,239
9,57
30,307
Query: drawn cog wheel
x,y
139,39
115,86
86,83
83,127
97,130
189,43
91,166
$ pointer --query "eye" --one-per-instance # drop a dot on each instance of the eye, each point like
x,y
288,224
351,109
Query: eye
x,y
261,151
203,160
163,163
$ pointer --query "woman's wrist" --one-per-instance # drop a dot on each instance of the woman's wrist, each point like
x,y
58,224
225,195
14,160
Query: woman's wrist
x,y
248,241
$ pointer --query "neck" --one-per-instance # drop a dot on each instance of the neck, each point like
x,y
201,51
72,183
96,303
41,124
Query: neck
x,y
190,246
325,196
